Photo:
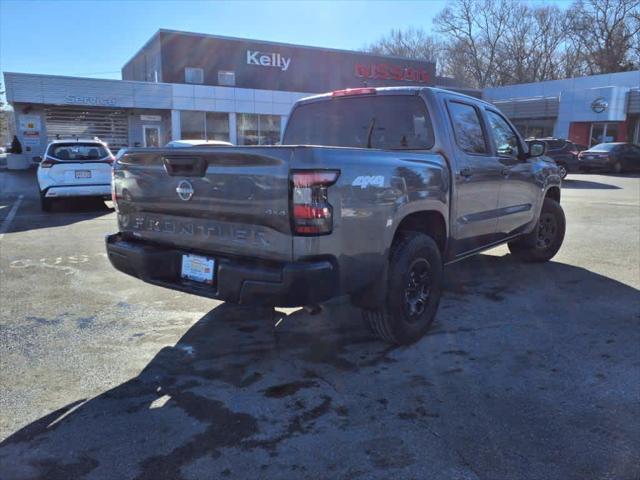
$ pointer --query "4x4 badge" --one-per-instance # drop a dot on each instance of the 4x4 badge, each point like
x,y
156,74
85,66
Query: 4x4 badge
x,y
184,190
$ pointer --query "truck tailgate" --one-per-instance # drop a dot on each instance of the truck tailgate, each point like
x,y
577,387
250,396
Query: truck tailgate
x,y
215,200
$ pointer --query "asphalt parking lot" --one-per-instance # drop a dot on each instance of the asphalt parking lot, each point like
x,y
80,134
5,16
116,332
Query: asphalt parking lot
x,y
530,372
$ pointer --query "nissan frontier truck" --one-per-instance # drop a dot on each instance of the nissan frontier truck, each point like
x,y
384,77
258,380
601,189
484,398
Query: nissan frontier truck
x,y
372,192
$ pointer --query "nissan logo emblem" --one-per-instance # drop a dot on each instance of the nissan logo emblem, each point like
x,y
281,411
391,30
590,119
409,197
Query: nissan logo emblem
x,y
184,190
599,105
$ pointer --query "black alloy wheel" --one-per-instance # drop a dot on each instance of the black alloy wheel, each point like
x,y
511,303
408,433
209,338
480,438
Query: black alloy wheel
x,y
547,230
416,293
544,241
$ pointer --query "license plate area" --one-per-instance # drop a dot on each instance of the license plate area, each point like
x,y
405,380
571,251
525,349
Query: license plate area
x,y
83,173
198,268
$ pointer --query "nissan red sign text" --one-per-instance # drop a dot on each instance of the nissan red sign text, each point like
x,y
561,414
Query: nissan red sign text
x,y
385,71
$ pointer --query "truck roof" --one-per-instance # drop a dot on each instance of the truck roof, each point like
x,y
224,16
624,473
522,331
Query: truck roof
x,y
408,90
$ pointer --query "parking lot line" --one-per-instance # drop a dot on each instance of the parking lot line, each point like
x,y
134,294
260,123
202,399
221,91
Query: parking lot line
x,y
12,213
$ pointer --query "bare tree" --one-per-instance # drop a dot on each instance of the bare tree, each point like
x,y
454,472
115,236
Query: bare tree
x,y
548,42
572,62
499,42
531,49
634,21
455,63
604,32
477,27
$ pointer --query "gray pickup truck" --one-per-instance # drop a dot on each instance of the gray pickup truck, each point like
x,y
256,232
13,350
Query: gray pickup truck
x,y
373,191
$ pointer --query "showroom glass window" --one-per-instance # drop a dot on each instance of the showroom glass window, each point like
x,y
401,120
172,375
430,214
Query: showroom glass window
x,y
603,133
258,129
192,125
217,126
536,128
204,125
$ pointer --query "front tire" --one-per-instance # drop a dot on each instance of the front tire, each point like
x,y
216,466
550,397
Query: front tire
x,y
414,287
545,240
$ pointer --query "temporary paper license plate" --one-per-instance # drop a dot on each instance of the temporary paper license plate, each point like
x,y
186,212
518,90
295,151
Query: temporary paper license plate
x,y
197,268
83,173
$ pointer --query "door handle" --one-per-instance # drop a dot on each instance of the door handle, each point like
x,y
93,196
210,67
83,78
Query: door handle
x,y
465,172
505,172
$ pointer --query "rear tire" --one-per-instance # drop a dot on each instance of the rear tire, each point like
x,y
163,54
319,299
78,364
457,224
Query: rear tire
x,y
545,240
45,203
414,287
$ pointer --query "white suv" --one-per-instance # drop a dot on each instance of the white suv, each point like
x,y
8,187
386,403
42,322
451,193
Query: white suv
x,y
74,168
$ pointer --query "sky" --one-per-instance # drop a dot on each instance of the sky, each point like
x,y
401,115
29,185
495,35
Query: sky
x,y
96,38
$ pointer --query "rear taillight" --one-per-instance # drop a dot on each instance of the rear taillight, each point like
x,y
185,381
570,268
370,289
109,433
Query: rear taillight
x,y
48,162
312,213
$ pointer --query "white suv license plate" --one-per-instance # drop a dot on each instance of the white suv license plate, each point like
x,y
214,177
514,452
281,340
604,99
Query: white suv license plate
x,y
198,269
83,173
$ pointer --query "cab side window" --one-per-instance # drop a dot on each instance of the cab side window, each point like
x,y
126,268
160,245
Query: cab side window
x,y
506,140
467,127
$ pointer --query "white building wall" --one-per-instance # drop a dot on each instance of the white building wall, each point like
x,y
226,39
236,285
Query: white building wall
x,y
576,106
556,87
575,97
56,90
41,90
231,99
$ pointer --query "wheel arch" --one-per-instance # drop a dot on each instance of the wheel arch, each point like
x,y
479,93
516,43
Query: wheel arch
x,y
553,193
429,222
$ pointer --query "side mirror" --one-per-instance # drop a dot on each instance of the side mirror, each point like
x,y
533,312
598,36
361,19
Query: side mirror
x,y
37,159
537,148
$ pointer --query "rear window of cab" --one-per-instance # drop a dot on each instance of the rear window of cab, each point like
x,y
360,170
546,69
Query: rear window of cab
x,y
390,122
78,151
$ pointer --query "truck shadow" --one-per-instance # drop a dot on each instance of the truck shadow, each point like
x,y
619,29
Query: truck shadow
x,y
511,360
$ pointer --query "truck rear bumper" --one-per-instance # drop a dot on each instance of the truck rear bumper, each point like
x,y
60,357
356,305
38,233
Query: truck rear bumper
x,y
248,282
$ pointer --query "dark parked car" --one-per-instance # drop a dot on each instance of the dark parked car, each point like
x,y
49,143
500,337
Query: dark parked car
x,y
564,153
612,157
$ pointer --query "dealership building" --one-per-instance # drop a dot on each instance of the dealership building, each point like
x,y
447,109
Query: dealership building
x,y
182,85
586,110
